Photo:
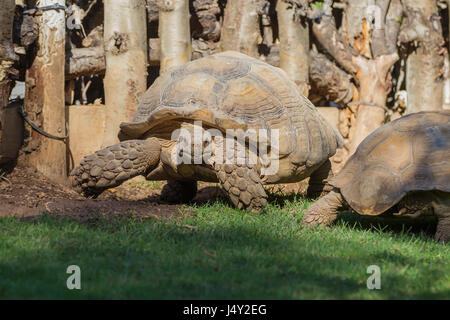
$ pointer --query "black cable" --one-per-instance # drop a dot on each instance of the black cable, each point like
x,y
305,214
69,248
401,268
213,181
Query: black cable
x,y
39,130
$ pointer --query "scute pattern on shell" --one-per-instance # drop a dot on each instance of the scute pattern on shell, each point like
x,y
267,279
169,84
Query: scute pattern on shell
x,y
232,90
409,154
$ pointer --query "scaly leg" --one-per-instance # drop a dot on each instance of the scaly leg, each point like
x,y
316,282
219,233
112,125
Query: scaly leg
x,y
111,166
243,186
324,211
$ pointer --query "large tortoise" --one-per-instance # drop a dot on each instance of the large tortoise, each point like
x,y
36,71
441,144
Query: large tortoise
x,y
228,92
405,162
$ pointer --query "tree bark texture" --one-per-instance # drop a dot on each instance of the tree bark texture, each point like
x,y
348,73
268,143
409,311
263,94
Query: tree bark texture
x,y
241,27
125,43
422,31
294,45
174,32
44,99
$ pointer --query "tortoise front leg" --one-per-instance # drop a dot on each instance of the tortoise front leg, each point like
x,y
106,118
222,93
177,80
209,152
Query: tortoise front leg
x,y
243,186
441,207
324,211
113,165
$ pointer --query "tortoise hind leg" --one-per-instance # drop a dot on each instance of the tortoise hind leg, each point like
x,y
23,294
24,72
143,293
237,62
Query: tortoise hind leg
x,y
113,165
317,185
243,186
324,211
179,191
441,207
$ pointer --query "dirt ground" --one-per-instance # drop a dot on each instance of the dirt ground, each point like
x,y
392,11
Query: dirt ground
x,y
25,193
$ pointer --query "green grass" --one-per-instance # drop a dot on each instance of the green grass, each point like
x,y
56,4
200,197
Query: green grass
x,y
216,252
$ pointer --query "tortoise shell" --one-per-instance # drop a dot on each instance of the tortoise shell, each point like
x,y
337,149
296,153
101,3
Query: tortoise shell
x,y
229,91
409,154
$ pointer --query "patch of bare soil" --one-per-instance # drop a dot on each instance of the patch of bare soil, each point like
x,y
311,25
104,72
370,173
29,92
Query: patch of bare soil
x,y
25,193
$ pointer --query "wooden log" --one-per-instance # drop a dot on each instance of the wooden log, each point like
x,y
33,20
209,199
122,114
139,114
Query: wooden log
x,y
84,62
174,32
125,37
44,98
241,29
91,61
425,64
294,46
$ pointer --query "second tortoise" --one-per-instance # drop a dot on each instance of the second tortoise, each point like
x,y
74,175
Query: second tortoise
x,y
405,163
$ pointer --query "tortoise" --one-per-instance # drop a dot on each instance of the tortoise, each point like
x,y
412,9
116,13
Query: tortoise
x,y
405,163
232,94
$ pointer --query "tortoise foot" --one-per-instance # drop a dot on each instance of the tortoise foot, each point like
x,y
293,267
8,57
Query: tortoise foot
x,y
324,211
243,186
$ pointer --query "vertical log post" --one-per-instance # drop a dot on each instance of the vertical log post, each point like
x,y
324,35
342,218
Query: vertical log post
x,y
425,63
174,32
241,29
294,46
125,36
44,99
